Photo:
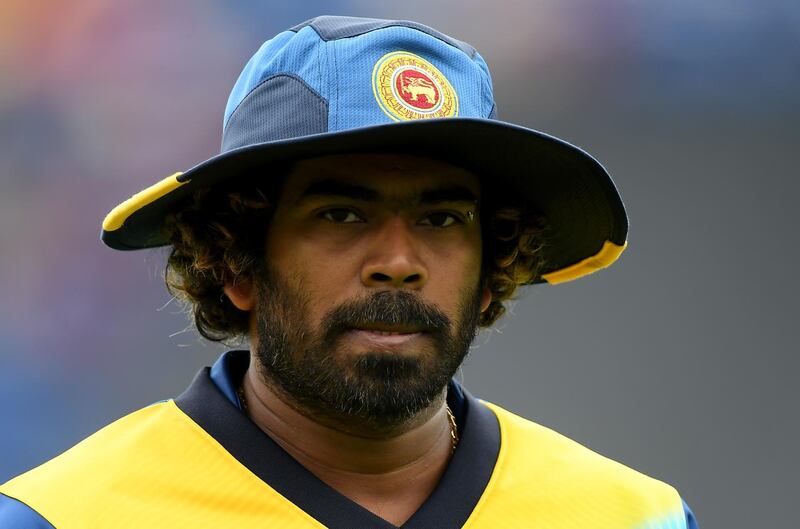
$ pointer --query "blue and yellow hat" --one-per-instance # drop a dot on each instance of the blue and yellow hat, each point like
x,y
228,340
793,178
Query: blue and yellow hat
x,y
335,85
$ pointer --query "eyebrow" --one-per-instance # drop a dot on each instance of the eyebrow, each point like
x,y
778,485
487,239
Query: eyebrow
x,y
436,195
336,188
451,193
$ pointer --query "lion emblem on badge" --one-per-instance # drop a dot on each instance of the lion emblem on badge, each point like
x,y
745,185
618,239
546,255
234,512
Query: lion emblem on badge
x,y
407,87
418,86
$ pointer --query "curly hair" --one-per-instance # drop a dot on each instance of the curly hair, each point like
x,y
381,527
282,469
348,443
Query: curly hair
x,y
217,239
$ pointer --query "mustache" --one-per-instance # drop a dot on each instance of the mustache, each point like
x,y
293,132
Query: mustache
x,y
398,308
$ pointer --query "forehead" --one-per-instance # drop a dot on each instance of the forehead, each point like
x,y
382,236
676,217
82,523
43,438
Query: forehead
x,y
392,176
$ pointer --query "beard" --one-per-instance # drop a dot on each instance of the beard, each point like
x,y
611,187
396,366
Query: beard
x,y
377,387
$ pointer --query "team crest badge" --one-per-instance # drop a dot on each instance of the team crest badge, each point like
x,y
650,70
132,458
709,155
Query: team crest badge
x,y
408,87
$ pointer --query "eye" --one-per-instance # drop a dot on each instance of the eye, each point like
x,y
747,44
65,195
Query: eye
x,y
341,216
440,219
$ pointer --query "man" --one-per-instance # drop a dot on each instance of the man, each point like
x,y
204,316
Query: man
x,y
367,214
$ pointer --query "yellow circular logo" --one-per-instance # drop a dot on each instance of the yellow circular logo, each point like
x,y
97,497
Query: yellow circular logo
x,y
407,87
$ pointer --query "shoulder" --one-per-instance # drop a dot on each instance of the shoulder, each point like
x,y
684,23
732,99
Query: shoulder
x,y
533,445
104,446
533,457
91,465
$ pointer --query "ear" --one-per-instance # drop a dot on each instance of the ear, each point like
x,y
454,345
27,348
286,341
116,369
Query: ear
x,y
486,299
242,295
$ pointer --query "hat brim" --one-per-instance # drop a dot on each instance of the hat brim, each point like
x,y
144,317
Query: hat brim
x,y
587,222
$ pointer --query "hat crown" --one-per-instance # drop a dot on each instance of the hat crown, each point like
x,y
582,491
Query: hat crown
x,y
338,73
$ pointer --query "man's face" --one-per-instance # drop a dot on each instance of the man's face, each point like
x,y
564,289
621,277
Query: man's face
x,y
369,296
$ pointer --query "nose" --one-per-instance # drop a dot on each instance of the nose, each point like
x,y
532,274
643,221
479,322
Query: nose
x,y
394,260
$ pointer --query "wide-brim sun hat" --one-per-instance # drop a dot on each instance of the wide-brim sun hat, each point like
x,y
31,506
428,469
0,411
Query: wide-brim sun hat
x,y
344,85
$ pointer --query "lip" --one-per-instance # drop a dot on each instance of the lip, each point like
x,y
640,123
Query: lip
x,y
387,327
385,338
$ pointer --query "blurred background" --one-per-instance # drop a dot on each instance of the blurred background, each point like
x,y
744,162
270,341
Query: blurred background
x,y
681,360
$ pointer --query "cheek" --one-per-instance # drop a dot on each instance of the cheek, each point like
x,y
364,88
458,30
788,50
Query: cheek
x,y
462,258
453,275
292,246
323,277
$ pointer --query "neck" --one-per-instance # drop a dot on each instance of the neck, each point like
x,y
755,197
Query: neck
x,y
341,444
389,471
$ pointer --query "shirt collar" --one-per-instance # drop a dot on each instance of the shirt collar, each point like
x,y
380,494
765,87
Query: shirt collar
x,y
211,402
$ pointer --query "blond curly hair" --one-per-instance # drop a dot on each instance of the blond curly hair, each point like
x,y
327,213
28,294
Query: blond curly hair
x,y
217,239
